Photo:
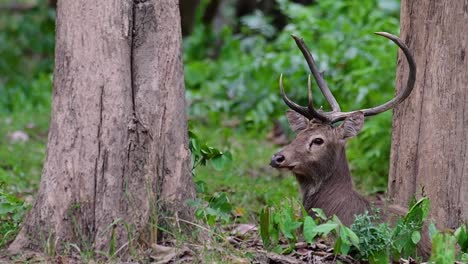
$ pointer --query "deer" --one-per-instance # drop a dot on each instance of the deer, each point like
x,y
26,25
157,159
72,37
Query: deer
x,y
317,156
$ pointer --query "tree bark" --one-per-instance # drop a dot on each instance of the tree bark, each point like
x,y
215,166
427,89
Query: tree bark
x,y
430,130
117,146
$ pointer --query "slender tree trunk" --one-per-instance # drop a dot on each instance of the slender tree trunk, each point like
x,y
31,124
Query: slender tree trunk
x,y
430,130
188,10
117,147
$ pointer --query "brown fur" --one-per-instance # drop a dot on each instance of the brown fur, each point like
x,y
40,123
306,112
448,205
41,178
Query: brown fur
x,y
322,170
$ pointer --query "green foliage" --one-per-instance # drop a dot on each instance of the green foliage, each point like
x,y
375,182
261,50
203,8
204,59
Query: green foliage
x,y
213,209
21,171
375,238
27,44
344,237
367,239
379,243
444,245
443,248
279,220
266,228
12,210
238,79
461,234
286,221
21,162
202,153
26,49
309,229
209,208
463,257
407,232
282,220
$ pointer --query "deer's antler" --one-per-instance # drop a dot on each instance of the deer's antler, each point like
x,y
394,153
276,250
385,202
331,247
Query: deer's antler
x,y
336,115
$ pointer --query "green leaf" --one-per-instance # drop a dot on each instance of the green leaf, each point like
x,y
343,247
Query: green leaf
x,y
352,236
196,72
221,202
326,228
221,159
419,211
277,249
309,229
7,208
211,212
112,242
443,248
227,155
218,163
319,213
337,246
380,257
345,244
200,187
461,235
288,226
463,257
199,214
432,230
416,237
336,220
265,226
211,219
345,247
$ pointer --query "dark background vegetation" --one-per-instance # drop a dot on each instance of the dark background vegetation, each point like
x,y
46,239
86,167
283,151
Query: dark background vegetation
x,y
233,57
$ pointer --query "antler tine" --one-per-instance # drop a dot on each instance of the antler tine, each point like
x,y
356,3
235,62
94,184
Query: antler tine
x,y
309,112
300,109
335,117
310,105
317,75
409,84
310,100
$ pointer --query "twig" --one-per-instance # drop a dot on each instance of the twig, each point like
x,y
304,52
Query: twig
x,y
201,227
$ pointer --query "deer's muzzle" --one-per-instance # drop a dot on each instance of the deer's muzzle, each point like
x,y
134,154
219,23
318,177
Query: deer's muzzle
x,y
277,160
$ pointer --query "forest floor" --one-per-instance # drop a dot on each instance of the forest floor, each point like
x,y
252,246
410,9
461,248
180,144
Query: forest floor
x,y
242,245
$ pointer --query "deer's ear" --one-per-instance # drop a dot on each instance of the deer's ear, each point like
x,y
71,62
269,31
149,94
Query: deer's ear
x,y
297,122
351,125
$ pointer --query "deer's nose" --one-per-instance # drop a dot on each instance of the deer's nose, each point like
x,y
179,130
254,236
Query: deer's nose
x,y
277,160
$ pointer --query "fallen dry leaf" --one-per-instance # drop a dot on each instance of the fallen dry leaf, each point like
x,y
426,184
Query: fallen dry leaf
x,y
242,229
162,254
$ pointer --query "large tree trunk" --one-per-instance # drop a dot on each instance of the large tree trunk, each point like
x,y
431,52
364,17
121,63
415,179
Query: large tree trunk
x,y
430,130
117,146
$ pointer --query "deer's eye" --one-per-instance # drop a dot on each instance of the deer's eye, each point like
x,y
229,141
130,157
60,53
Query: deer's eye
x,y
316,141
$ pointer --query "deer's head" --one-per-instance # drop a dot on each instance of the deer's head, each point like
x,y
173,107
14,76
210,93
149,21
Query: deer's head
x,y
320,143
317,144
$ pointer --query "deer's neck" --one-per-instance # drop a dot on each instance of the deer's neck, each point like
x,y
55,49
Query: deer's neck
x,y
331,189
